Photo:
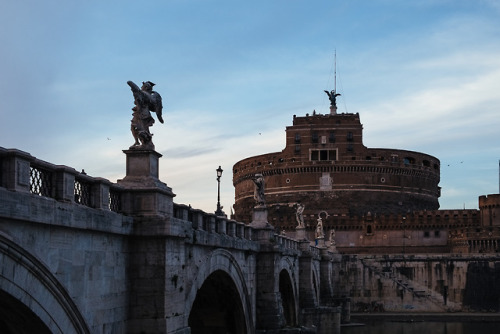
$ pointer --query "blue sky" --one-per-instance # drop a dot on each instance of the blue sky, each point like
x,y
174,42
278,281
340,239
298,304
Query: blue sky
x,y
423,75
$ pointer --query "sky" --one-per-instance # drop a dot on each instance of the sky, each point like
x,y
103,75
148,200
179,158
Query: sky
x,y
424,75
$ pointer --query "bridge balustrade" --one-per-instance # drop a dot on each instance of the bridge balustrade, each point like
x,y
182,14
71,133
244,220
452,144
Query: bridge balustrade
x,y
22,172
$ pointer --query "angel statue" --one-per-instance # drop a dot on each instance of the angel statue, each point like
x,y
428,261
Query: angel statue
x,y
259,190
145,100
320,233
333,97
299,215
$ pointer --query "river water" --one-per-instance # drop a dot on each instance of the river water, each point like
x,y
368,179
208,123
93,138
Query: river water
x,y
424,327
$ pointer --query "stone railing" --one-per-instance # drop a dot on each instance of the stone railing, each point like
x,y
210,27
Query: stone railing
x,y
20,171
211,223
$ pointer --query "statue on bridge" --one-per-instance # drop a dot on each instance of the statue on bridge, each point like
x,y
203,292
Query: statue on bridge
x,y
319,233
299,215
259,190
145,100
332,237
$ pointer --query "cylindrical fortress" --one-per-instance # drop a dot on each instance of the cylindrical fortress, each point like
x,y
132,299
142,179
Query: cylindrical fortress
x,y
326,168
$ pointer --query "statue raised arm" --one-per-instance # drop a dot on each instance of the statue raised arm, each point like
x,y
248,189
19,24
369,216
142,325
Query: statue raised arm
x,y
145,100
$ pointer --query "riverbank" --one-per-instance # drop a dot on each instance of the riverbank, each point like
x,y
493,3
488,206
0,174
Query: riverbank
x,y
415,317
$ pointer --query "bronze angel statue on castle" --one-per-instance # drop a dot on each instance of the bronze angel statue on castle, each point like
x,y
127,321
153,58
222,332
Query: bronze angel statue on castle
x,y
145,100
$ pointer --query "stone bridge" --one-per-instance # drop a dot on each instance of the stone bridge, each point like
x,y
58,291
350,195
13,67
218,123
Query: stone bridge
x,y
81,254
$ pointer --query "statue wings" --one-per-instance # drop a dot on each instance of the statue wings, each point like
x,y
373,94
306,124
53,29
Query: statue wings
x,y
157,105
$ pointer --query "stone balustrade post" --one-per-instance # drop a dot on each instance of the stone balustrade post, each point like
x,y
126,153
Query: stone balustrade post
x,y
99,196
248,232
211,224
197,219
16,170
240,230
231,228
221,225
65,183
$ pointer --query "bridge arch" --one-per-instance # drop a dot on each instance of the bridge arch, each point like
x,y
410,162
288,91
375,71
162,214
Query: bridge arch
x,y
219,297
29,291
287,286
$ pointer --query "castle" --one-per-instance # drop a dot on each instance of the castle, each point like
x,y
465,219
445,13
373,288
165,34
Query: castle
x,y
372,199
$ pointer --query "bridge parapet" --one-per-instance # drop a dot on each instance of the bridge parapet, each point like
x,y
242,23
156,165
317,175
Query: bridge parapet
x,y
21,172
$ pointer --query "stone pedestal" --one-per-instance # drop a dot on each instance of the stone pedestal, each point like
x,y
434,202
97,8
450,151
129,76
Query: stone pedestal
x,y
320,242
333,248
144,194
300,233
259,218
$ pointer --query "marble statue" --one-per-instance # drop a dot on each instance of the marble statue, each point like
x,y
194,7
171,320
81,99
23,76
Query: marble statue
x,y
259,190
332,237
320,233
145,100
299,215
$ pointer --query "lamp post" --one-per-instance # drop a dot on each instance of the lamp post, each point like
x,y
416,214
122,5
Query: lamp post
x,y
219,211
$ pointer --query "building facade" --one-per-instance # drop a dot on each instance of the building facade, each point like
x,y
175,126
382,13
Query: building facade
x,y
326,167
374,200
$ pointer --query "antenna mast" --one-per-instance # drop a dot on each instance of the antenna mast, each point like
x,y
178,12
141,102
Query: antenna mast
x,y
335,73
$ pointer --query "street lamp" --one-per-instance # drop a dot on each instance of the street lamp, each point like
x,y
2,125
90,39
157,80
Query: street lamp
x,y
219,211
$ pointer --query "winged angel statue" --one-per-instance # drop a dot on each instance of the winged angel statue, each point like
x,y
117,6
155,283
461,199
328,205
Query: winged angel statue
x,y
145,100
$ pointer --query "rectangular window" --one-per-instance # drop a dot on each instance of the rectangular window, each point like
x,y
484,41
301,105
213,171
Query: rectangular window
x,y
314,137
331,137
297,138
323,155
349,136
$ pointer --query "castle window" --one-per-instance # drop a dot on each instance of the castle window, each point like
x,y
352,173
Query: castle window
x,y
314,137
409,160
437,234
369,229
297,138
349,147
323,155
297,149
349,136
331,137
426,234
426,163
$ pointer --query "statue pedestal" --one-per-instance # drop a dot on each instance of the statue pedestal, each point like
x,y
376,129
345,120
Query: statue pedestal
x,y
300,233
259,218
320,242
144,193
